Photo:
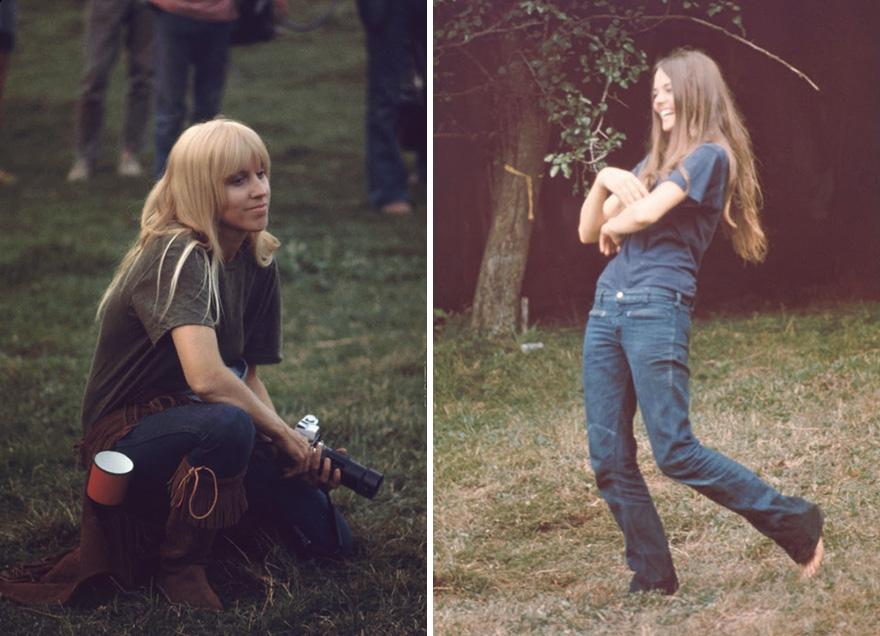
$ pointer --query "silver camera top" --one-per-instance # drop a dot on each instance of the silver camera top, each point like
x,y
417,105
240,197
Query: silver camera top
x,y
308,427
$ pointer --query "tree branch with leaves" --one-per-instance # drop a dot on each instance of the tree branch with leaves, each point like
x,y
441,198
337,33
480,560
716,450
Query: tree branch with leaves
x,y
572,59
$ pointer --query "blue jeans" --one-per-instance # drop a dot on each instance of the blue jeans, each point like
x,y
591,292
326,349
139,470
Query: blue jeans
x,y
636,353
181,43
394,29
221,437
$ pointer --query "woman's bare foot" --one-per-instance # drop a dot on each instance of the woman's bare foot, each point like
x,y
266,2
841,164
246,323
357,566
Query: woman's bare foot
x,y
809,569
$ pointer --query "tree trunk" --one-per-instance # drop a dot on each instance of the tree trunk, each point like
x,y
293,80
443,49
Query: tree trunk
x,y
523,138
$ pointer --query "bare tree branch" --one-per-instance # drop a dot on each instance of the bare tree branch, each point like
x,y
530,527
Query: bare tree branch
x,y
493,30
741,40
464,135
461,93
689,18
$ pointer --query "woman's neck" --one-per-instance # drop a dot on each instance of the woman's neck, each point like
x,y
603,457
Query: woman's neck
x,y
230,241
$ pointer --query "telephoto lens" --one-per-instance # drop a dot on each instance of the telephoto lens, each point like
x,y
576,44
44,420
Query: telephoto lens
x,y
364,481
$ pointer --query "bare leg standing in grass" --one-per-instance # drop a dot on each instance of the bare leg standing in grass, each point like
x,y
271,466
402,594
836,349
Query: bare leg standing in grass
x,y
657,222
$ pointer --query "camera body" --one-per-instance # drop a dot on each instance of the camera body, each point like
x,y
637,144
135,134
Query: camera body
x,y
364,481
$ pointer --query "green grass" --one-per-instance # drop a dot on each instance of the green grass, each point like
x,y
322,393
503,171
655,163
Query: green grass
x,y
354,331
524,543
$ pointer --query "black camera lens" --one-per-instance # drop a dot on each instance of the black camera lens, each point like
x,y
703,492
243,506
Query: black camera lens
x,y
364,481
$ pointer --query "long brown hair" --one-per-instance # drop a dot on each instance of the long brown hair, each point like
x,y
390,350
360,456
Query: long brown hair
x,y
705,112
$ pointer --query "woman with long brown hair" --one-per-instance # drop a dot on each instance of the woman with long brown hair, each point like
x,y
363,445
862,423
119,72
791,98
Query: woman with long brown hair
x,y
657,222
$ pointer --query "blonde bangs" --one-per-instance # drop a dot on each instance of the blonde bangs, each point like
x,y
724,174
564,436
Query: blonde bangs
x,y
234,147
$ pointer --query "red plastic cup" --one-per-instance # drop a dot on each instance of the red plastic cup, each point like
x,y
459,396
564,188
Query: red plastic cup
x,y
108,478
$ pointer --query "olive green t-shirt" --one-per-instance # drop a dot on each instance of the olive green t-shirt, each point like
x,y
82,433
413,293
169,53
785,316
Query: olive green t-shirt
x,y
135,359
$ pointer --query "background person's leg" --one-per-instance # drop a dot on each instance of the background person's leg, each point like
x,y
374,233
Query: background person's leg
x,y
140,42
103,30
211,59
173,57
387,61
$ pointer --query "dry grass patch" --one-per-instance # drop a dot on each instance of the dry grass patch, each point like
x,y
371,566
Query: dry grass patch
x,y
523,543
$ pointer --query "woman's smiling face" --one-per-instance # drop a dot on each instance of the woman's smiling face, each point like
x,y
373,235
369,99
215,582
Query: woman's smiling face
x,y
247,201
662,100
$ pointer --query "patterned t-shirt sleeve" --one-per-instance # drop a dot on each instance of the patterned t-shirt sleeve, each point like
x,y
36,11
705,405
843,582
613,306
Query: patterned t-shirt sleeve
x,y
704,177
190,303
263,319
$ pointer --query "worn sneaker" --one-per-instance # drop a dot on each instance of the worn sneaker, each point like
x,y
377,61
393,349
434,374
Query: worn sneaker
x,y
7,178
79,172
129,166
396,208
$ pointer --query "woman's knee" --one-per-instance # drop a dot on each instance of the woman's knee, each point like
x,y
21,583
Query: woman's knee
x,y
680,461
228,440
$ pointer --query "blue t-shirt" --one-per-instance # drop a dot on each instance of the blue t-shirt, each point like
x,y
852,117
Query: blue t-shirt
x,y
668,253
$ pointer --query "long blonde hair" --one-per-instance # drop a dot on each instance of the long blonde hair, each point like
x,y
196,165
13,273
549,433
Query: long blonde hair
x,y
705,112
188,200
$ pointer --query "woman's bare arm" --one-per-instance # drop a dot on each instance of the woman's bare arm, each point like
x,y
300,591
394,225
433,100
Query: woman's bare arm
x,y
319,475
591,217
621,187
640,215
212,381
255,384
612,207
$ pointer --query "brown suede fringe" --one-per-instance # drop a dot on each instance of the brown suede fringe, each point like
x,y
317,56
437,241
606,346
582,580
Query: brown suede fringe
x,y
201,499
112,542
111,428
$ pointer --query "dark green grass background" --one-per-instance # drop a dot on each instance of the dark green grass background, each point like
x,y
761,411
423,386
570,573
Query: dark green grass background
x,y
354,329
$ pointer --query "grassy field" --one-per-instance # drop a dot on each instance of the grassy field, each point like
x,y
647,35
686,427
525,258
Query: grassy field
x,y
524,544
354,330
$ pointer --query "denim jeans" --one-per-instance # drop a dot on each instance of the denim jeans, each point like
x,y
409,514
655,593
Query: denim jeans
x,y
221,437
636,353
181,43
393,30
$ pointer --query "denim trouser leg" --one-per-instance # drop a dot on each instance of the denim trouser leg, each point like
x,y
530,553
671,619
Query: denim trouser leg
x,y
221,437
174,48
611,404
209,61
387,62
302,511
140,42
653,332
108,22
218,436
105,20
656,340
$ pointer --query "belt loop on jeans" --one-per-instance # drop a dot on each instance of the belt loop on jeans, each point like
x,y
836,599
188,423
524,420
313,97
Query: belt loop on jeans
x,y
677,298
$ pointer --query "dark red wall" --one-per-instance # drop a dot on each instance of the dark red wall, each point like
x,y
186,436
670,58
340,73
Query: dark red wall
x,y
818,153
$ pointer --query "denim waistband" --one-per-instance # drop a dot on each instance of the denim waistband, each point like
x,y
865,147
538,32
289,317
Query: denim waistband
x,y
642,295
